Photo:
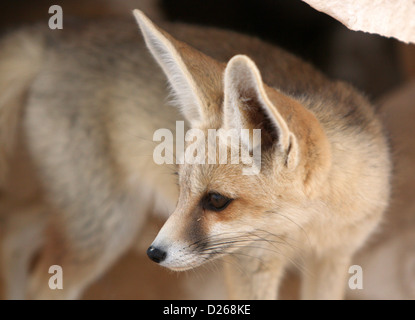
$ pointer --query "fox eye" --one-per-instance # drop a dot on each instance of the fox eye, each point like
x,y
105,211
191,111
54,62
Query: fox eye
x,y
216,202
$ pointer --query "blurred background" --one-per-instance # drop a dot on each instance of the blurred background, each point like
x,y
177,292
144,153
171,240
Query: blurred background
x,y
382,68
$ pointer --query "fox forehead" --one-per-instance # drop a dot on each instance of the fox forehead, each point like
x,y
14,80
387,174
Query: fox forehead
x,y
197,179
221,162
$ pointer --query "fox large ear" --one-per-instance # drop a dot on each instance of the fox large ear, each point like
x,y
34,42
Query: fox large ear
x,y
195,78
247,105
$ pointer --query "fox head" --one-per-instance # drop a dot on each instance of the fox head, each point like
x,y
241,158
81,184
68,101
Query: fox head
x,y
220,209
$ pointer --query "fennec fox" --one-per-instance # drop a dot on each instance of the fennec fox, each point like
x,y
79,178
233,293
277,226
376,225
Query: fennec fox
x,y
78,110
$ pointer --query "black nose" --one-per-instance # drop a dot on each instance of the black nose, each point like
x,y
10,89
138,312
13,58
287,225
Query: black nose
x,y
156,254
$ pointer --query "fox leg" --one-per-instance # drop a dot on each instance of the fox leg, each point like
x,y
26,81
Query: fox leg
x,y
84,246
251,278
21,239
325,277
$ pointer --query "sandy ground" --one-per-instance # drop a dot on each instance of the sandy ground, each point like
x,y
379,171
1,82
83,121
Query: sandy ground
x,y
135,276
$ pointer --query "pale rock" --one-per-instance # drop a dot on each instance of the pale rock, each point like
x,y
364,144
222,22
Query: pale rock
x,y
390,18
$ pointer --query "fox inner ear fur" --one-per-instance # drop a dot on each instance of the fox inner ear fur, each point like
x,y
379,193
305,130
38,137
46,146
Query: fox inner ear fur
x,y
196,79
248,106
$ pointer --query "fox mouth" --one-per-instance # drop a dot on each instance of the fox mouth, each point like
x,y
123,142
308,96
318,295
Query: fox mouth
x,y
204,253
186,268
203,259
183,261
181,257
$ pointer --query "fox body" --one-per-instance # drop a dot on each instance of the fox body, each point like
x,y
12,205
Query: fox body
x,y
78,109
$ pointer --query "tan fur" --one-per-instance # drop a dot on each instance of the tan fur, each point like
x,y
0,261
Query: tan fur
x,y
323,186
20,60
91,108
